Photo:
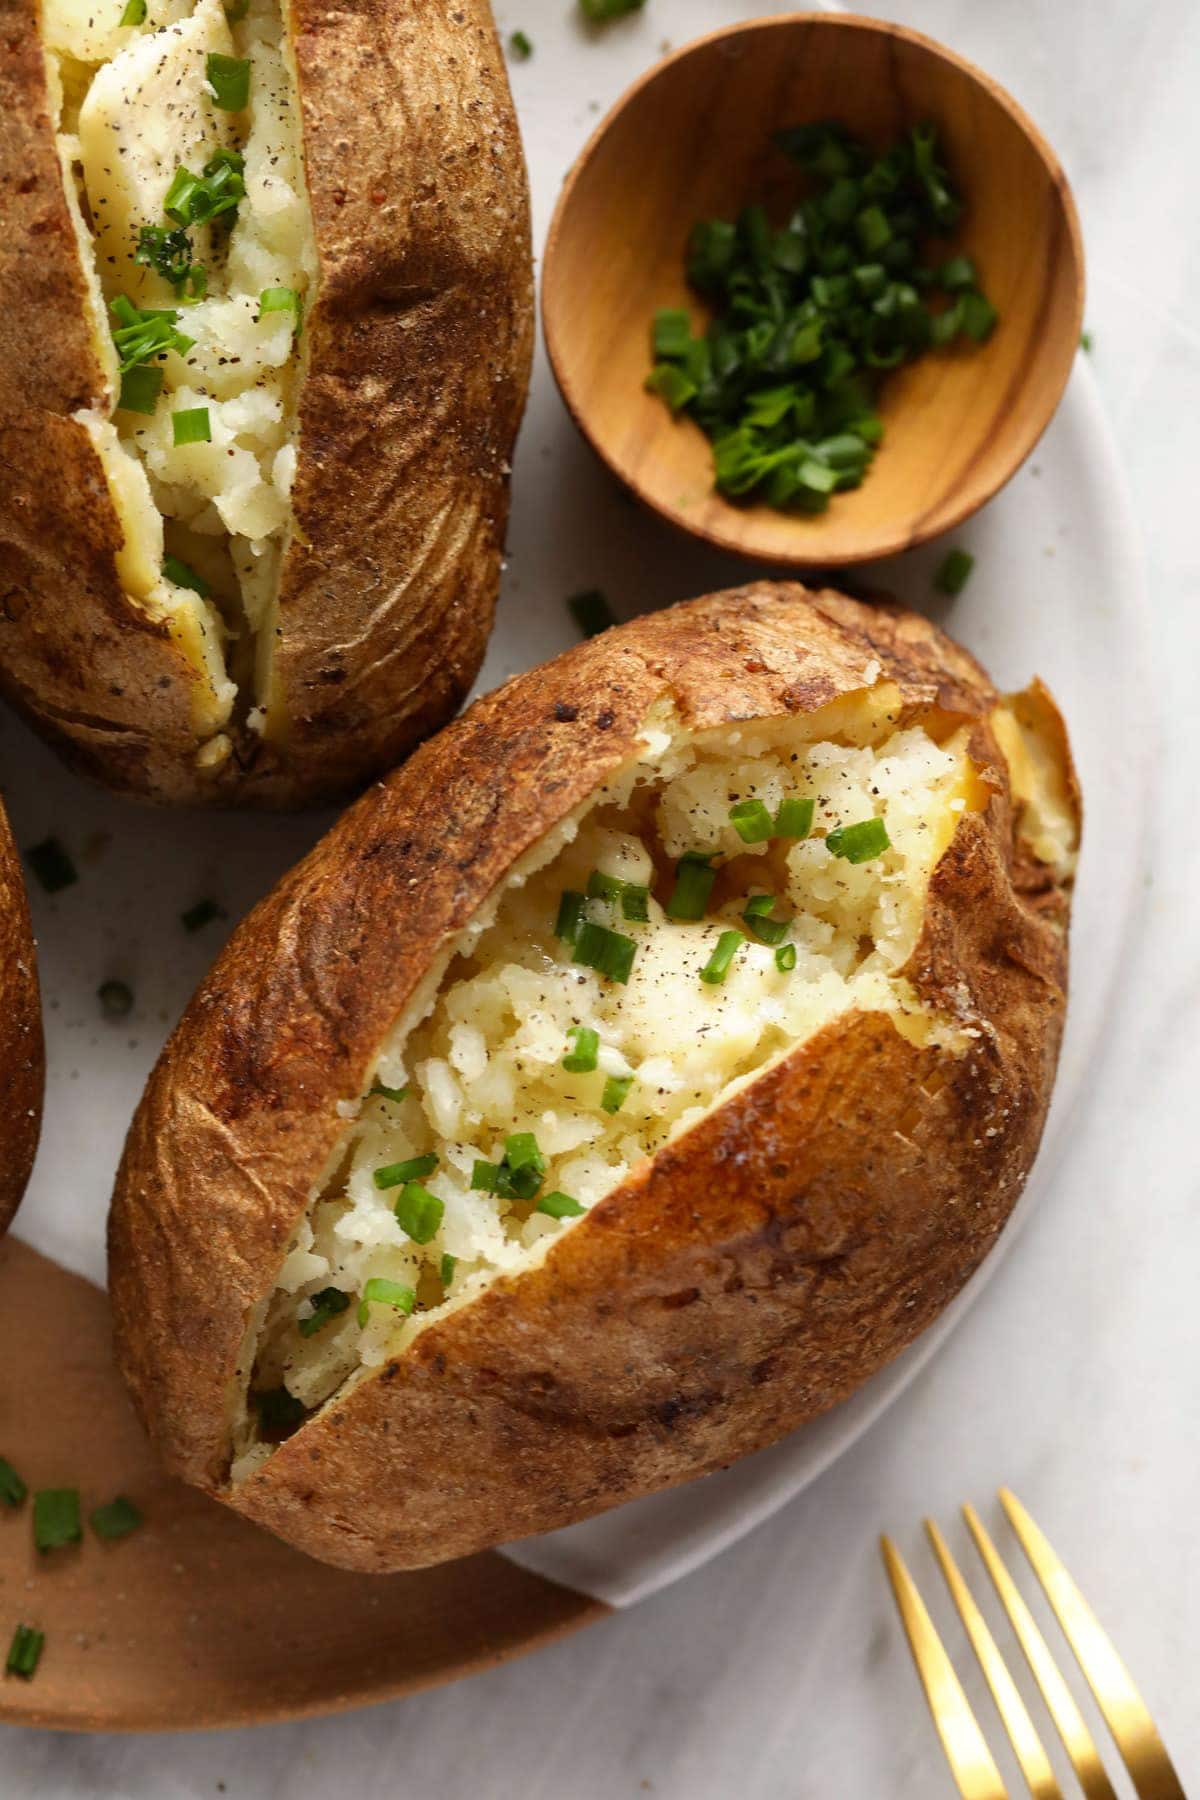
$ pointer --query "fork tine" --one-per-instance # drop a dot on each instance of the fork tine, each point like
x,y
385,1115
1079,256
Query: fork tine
x,y
971,1764
1035,1764
1142,1750
1068,1720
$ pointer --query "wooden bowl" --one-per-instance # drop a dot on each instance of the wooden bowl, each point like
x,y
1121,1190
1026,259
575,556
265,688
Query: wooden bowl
x,y
198,1618
692,140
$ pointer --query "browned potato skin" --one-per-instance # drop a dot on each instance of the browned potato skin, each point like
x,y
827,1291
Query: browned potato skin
x,y
22,1056
418,349
752,1274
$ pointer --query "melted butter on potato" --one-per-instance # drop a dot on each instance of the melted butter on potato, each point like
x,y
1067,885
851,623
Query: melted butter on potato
x,y
481,1052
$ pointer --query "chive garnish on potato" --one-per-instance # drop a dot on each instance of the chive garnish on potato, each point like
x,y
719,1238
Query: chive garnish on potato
x,y
758,921
559,1206
581,1059
415,1168
418,1212
379,1292
858,843
326,1305
615,1090
56,1518
694,878
717,967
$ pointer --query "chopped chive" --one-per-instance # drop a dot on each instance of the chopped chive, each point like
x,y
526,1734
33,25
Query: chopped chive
x,y
522,1148
184,576
794,816
591,612
191,425
414,1169
672,333
610,953
379,1091
694,878
520,46
116,999
379,1292
1085,341
485,1177
519,1176
751,820
326,1305
954,572
978,316
717,966
278,299
599,12
51,865
116,1519
582,1058
858,843
419,1213
134,13
631,895
615,1090
559,1206
671,384
56,1518
201,914
570,916
140,389
757,918
785,958
12,1489
279,1411
25,1652
229,78
446,1269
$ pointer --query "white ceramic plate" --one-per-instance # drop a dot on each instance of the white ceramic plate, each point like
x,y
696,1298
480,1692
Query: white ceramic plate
x,y
1057,591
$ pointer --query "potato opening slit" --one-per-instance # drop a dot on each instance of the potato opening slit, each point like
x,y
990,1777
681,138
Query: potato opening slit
x,y
524,1083
200,458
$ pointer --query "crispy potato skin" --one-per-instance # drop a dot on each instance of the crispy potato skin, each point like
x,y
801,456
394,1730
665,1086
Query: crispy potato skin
x,y
418,360
749,1276
22,1056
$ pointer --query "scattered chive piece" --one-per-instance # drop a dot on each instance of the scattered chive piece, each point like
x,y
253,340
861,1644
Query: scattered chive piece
x,y
116,999
229,78
519,1176
326,1305
134,14
599,12
446,1268
858,843
785,958
631,895
378,1090
12,1489
522,1148
795,816
610,953
418,1212
485,1177
751,820
615,1090
168,251
278,1410
115,1520
1085,341
195,199
717,966
203,913
191,425
591,612
954,572
25,1652
520,46
559,1206
184,576
56,1518
280,299
757,918
672,333
379,1292
694,878
52,866
140,389
570,916
396,1174
581,1060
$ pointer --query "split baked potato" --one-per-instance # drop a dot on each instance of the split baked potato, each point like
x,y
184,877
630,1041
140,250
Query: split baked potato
x,y
22,1057
614,1088
265,333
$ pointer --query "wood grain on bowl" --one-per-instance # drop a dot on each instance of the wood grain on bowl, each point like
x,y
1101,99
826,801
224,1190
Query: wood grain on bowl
x,y
692,140
197,1618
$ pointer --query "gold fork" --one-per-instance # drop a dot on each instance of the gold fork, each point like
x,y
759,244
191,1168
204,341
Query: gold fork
x,y
1142,1749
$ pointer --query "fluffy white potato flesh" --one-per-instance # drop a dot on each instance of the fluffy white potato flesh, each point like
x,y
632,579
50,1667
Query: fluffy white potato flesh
x,y
136,106
482,1055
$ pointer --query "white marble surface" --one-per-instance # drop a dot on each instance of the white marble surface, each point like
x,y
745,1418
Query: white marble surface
x,y
779,1670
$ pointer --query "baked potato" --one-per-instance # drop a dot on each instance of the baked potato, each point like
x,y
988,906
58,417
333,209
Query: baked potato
x,y
22,1057
265,333
614,1088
